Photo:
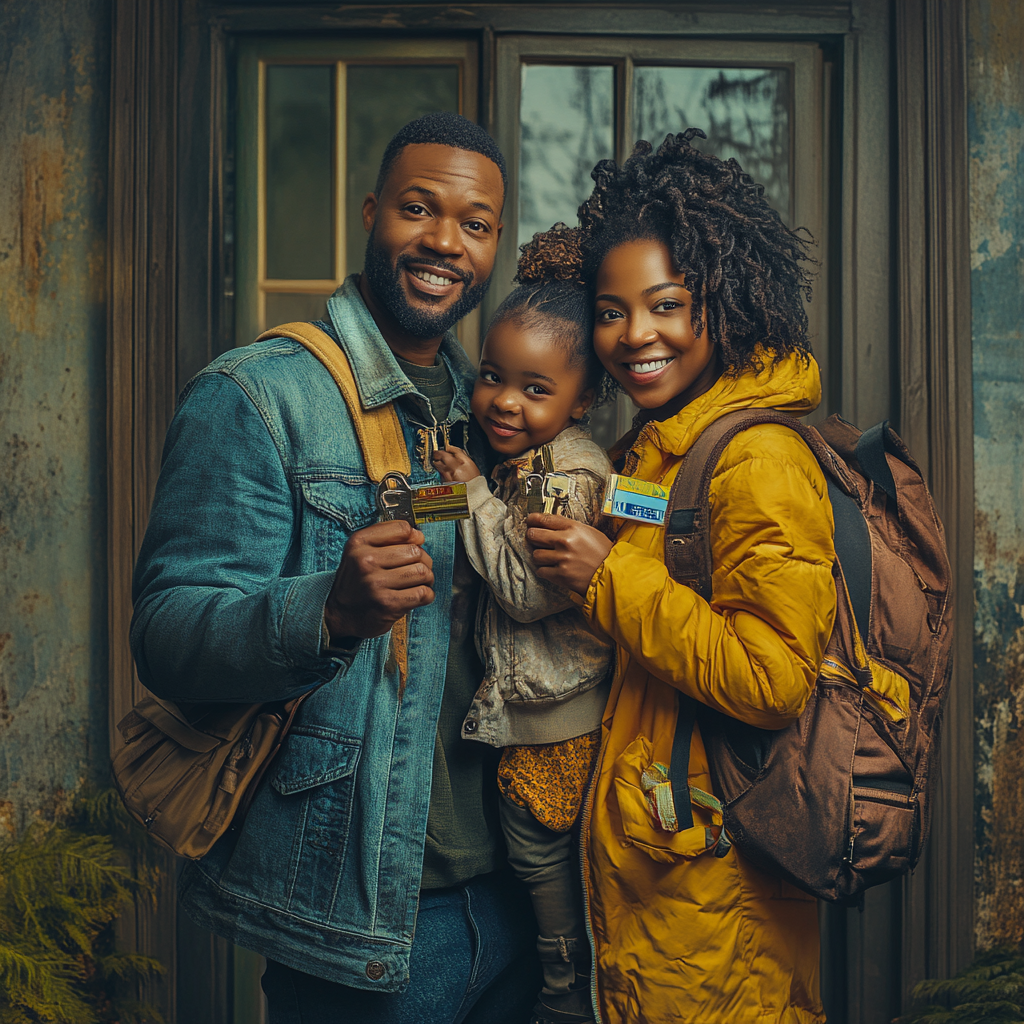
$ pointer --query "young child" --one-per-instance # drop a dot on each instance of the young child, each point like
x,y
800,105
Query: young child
x,y
697,286
547,676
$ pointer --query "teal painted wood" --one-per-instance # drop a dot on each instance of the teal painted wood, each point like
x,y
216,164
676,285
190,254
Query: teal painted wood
x,y
996,139
54,101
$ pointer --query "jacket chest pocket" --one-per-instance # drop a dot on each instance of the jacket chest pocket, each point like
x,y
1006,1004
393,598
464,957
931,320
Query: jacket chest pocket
x,y
332,510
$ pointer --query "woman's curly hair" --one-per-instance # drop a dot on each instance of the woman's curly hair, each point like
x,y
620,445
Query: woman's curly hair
x,y
742,265
551,296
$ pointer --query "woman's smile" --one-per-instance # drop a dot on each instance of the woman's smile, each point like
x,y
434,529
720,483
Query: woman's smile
x,y
648,371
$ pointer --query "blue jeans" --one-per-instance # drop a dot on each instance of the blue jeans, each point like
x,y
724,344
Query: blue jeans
x,y
473,962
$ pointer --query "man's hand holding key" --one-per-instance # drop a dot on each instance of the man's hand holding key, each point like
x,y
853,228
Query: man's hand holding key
x,y
384,574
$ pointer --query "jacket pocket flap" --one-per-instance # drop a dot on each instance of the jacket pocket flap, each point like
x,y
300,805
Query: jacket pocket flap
x,y
169,721
349,502
309,760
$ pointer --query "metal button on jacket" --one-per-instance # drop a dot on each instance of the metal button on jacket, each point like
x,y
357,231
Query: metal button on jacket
x,y
375,970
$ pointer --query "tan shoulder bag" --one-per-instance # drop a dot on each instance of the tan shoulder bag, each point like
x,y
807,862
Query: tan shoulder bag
x,y
186,772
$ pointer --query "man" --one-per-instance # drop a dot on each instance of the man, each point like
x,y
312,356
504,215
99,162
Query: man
x,y
264,573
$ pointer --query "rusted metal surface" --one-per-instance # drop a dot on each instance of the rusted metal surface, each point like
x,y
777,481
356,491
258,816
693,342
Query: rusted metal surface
x,y
53,155
996,127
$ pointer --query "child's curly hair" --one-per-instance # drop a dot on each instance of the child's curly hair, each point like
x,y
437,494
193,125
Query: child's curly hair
x,y
551,296
742,265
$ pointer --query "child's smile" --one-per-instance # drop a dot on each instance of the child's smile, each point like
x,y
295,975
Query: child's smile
x,y
527,392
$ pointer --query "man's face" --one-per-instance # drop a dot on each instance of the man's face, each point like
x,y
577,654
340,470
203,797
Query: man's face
x,y
434,232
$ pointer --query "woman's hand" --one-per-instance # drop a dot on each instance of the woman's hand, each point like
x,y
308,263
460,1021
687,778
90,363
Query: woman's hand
x,y
454,464
566,552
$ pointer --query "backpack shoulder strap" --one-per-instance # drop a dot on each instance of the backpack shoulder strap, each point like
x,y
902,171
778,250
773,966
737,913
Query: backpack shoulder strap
x,y
378,430
687,524
688,559
687,519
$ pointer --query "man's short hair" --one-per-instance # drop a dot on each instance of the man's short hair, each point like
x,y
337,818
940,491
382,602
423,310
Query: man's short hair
x,y
442,129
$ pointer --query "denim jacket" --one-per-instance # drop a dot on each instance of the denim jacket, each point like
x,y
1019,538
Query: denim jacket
x,y
261,485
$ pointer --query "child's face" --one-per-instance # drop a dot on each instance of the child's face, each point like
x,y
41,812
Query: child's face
x,y
526,394
642,330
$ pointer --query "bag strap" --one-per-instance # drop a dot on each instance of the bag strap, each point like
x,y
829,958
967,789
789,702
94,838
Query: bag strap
x,y
853,551
379,433
290,710
687,522
679,768
688,550
378,430
871,448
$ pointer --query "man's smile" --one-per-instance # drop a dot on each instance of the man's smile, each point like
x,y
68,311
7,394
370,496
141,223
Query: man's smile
x,y
436,282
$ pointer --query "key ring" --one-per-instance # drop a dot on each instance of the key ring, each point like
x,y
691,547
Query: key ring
x,y
394,498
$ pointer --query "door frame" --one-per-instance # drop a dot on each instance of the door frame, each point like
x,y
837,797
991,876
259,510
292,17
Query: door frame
x,y
901,330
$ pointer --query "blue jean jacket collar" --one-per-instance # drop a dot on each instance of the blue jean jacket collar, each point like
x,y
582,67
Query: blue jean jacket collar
x,y
379,378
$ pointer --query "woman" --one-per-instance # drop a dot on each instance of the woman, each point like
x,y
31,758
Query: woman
x,y
697,287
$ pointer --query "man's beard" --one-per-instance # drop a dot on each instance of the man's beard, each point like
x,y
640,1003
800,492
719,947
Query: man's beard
x,y
385,280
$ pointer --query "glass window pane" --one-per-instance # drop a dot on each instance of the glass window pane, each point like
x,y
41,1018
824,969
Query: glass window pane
x,y
381,99
566,125
744,111
300,144
289,307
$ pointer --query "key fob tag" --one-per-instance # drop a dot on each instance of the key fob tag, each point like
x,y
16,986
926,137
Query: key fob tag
x,y
440,503
625,497
433,503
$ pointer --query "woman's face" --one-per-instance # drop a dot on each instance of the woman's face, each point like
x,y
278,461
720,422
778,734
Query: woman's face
x,y
642,331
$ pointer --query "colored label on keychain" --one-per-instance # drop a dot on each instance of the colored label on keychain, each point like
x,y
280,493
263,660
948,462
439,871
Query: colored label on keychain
x,y
439,503
434,503
625,497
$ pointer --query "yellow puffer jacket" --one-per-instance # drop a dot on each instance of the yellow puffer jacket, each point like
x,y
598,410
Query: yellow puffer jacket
x,y
681,935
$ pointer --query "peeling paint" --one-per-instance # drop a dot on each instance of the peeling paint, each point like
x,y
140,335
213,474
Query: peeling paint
x,y
996,140
54,99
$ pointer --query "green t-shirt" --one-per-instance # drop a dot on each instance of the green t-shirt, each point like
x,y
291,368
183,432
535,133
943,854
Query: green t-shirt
x,y
462,824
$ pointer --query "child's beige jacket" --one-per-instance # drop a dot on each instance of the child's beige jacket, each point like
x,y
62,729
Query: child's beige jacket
x,y
546,675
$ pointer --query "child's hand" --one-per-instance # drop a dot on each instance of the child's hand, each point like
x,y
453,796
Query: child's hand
x,y
454,464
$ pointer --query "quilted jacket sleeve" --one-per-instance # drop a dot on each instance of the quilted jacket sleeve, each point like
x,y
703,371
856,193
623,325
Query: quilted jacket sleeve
x,y
753,652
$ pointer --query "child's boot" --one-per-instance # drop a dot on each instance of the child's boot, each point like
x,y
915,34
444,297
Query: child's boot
x,y
565,997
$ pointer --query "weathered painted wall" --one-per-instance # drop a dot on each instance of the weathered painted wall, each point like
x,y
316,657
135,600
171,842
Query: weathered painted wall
x,y
54,99
996,137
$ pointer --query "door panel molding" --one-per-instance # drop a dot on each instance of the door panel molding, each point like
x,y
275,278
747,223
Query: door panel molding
x,y
936,420
141,332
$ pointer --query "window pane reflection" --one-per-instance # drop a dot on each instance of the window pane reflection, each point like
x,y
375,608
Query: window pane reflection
x,y
286,308
299,172
381,99
744,111
566,126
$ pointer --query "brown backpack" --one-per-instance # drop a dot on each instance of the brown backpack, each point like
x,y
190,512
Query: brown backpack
x,y
839,800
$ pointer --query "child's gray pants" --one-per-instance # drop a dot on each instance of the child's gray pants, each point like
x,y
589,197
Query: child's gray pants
x,y
546,862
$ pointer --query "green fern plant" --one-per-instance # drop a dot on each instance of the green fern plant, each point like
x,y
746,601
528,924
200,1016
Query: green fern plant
x,y
990,991
62,885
